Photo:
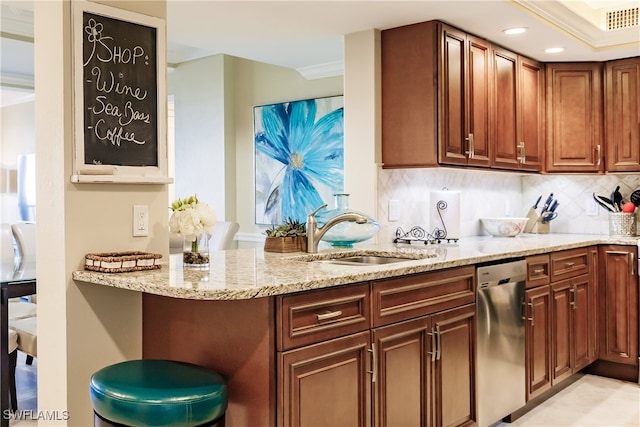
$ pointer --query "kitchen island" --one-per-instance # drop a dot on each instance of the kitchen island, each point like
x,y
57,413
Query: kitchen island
x,y
237,318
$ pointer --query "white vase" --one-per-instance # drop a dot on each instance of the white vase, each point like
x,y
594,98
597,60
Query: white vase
x,y
195,252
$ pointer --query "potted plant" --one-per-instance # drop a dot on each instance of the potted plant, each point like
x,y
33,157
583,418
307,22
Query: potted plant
x,y
290,236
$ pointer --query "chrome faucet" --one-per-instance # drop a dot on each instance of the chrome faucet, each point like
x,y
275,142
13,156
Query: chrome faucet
x,y
314,234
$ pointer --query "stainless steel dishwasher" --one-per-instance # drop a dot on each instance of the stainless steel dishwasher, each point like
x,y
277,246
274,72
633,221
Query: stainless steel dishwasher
x,y
500,333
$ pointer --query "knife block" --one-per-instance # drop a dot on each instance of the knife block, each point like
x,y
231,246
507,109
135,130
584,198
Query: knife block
x,y
535,225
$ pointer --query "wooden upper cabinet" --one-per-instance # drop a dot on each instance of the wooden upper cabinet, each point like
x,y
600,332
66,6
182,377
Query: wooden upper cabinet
x,y
409,93
622,115
517,112
463,109
574,117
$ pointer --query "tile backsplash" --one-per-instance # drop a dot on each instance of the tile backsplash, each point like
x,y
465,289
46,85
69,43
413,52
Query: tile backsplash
x,y
494,193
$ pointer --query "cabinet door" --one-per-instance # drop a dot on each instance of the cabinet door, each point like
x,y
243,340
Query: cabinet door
x,y
531,117
561,315
463,110
326,384
581,323
538,341
409,96
506,152
618,305
622,115
574,117
454,369
404,352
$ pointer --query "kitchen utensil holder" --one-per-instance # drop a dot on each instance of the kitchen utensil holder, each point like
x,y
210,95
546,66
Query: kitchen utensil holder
x,y
535,225
622,224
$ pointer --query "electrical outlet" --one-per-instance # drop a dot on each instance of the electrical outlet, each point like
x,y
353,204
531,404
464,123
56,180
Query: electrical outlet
x,y
140,220
591,207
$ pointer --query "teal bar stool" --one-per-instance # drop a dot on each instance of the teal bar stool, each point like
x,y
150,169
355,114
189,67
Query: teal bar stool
x,y
152,392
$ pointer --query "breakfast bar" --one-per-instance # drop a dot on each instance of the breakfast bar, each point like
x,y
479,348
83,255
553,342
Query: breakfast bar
x,y
262,319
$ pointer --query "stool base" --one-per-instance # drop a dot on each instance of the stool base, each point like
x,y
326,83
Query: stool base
x,y
99,421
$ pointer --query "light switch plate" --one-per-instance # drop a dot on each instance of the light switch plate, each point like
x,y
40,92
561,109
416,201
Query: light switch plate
x,y
394,210
591,207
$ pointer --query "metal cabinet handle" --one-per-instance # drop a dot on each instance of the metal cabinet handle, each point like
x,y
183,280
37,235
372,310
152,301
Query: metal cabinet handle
x,y
598,151
631,269
530,304
374,363
538,271
433,345
574,297
569,264
439,342
523,153
471,145
329,315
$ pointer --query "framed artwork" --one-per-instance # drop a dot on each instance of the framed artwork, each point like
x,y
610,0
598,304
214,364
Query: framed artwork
x,y
119,102
299,157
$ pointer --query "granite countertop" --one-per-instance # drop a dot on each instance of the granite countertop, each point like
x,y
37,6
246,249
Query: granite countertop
x,y
253,273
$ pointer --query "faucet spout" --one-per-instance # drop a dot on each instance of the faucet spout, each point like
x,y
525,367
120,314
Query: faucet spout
x,y
315,233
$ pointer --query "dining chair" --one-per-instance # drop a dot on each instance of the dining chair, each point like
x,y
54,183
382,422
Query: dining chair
x,y
7,247
25,235
18,309
223,235
221,239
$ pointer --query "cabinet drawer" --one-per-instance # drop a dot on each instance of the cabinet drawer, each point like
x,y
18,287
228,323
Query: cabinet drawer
x,y
569,263
538,271
412,296
322,315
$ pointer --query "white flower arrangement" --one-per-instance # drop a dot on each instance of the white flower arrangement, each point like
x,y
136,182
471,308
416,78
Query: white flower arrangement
x,y
192,218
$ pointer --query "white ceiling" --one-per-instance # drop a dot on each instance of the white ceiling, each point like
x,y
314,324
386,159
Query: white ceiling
x,y
307,35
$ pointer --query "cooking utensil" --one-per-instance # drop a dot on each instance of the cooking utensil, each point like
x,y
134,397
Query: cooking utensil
x,y
551,213
635,198
547,203
616,199
604,202
535,205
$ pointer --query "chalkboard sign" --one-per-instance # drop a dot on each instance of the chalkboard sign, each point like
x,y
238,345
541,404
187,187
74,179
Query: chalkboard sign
x,y
120,103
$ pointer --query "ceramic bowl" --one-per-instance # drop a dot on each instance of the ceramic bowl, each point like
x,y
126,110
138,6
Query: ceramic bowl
x,y
504,227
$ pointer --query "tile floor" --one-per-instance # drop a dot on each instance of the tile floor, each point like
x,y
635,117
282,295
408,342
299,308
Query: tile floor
x,y
27,391
591,401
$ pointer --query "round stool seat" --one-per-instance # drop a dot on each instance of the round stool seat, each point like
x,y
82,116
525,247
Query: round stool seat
x,y
158,393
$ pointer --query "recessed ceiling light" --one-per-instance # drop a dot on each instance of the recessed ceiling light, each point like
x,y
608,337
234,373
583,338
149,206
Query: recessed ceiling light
x,y
515,30
554,50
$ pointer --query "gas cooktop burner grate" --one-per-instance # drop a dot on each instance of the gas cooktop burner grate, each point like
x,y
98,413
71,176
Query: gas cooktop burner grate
x,y
419,235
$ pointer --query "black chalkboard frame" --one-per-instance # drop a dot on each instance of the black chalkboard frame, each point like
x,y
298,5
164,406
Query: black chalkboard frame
x,y
121,169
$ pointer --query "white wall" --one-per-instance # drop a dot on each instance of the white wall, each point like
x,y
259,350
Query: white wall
x,y
17,136
82,327
201,146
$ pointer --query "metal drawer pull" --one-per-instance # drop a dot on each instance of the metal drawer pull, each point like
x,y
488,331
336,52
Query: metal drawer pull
x,y
329,315
374,363
538,271
569,264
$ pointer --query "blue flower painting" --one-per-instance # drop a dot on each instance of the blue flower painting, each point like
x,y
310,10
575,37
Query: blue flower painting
x,y
299,157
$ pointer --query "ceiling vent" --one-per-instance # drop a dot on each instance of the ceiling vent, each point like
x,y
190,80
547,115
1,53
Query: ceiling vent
x,y
620,19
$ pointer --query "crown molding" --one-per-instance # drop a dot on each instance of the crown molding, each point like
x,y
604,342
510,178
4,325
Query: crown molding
x,y
571,23
320,71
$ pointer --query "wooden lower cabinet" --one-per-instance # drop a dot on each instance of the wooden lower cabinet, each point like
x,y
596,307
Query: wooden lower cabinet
x,y
618,305
573,344
425,373
327,384
538,340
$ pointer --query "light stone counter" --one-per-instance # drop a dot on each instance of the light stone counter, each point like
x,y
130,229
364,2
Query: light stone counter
x,y
253,273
